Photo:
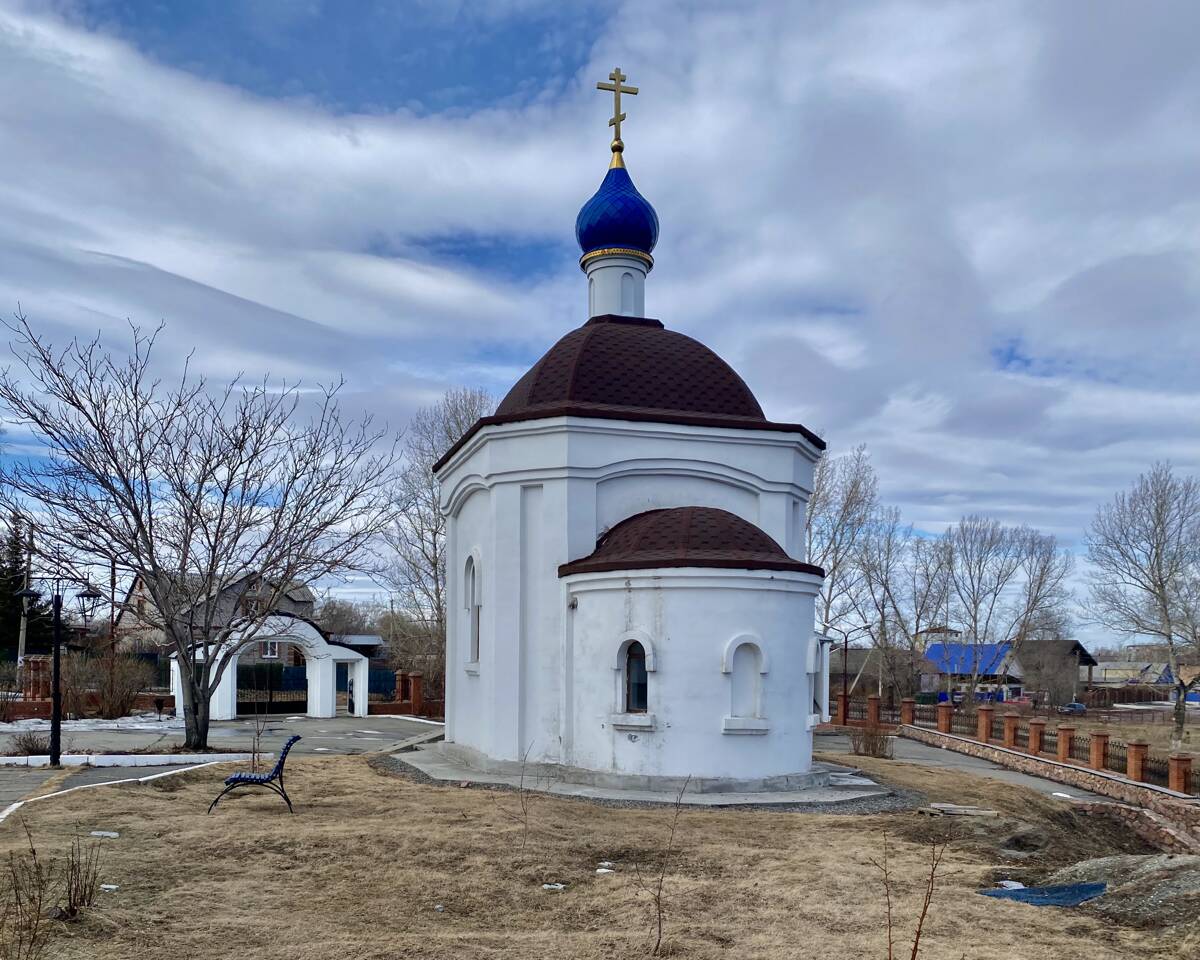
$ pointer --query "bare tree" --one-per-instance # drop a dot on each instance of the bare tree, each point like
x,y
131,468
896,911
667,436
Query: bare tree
x,y
198,492
1002,580
844,498
905,585
1144,549
416,539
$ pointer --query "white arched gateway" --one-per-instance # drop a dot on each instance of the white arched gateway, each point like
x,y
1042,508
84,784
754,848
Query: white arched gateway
x,y
320,660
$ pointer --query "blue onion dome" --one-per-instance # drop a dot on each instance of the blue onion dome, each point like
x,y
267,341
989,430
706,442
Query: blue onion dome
x,y
617,217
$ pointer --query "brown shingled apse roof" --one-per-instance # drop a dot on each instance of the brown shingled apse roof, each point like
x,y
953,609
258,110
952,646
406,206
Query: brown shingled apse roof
x,y
632,368
686,537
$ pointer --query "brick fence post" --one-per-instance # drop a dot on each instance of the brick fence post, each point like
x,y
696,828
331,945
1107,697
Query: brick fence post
x,y
983,725
1011,720
908,711
1065,736
873,710
1179,772
1037,733
1099,757
418,696
1135,759
945,717
842,717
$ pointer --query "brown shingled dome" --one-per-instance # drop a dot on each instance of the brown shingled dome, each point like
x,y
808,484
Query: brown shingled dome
x,y
632,368
634,364
686,537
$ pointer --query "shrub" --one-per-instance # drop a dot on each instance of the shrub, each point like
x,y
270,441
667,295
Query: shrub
x,y
113,679
76,683
8,690
31,898
30,743
120,678
871,742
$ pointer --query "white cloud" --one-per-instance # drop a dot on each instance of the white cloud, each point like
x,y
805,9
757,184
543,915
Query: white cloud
x,y
860,203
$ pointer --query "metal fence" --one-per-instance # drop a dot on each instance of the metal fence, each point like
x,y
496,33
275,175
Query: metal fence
x,y
925,715
1116,757
1081,748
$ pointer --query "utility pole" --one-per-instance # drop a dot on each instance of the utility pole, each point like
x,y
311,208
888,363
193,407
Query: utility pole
x,y
24,615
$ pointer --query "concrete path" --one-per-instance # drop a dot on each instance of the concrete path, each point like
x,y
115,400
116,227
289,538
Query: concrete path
x,y
915,752
16,783
843,786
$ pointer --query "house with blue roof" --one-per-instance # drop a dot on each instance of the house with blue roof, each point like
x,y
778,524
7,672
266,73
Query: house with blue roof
x,y
996,668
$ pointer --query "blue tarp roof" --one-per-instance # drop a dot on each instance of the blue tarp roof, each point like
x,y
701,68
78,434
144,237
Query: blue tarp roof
x,y
960,658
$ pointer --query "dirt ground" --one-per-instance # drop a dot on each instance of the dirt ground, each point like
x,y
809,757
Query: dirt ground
x,y
362,868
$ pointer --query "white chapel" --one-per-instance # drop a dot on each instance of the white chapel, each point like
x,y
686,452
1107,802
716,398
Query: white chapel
x,y
629,599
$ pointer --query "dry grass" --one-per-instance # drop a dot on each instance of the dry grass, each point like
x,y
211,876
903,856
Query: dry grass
x,y
358,871
1158,735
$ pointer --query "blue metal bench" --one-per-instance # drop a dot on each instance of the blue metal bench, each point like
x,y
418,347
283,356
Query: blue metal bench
x,y
272,781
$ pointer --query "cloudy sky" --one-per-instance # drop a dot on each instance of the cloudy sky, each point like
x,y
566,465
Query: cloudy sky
x,y
965,234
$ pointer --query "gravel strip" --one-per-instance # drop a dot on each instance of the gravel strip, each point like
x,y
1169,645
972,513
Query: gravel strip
x,y
896,801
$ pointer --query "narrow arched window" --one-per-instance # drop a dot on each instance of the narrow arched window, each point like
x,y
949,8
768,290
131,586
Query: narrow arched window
x,y
747,671
635,678
591,296
627,294
471,601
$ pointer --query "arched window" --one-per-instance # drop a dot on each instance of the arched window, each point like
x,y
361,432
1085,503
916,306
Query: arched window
x,y
627,294
472,603
746,681
635,678
591,296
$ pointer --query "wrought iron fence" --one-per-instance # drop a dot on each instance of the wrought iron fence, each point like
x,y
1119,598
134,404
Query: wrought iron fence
x,y
1023,737
858,709
889,714
1081,748
1116,758
925,715
964,723
1050,742
1158,772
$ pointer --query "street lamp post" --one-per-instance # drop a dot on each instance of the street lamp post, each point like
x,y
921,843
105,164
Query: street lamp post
x,y
89,597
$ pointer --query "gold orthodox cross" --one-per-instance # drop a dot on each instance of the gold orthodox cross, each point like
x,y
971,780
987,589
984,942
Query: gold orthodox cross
x,y
617,78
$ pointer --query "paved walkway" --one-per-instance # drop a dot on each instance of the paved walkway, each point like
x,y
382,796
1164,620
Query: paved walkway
x,y
839,785
914,751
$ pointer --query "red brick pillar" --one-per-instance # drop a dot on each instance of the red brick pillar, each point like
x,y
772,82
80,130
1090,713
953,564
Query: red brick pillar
x,y
842,717
1099,757
418,696
873,710
983,725
908,711
1065,736
1179,772
1135,759
1037,732
945,717
1011,722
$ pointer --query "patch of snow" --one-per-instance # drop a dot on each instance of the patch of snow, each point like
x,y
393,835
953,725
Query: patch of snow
x,y
1011,885
554,886
146,721
105,834
605,870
